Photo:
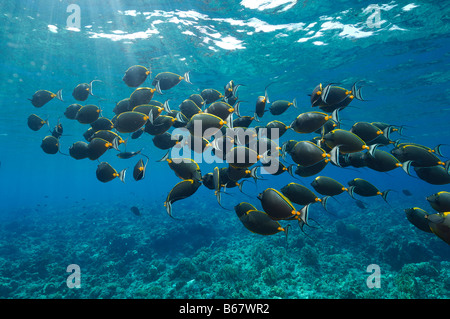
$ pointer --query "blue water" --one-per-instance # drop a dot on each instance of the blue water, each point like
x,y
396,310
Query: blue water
x,y
54,212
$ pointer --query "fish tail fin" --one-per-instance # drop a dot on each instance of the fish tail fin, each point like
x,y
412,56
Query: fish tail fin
x,y
294,103
406,166
59,95
324,202
384,194
186,77
90,86
166,106
115,143
256,117
335,116
158,87
122,175
351,191
165,157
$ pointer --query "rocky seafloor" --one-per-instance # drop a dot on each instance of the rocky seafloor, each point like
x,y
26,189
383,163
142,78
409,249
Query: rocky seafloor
x,y
209,254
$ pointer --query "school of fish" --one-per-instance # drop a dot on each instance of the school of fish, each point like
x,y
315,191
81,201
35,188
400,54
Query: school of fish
x,y
213,122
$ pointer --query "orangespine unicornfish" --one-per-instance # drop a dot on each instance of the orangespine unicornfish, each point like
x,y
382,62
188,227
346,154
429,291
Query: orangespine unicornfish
x,y
102,123
220,109
328,186
82,91
79,150
364,188
276,205
88,114
142,95
198,100
127,155
129,122
418,154
368,132
242,157
136,75
204,125
160,125
110,136
180,191
184,168
153,111
436,175
279,127
166,140
261,223
57,130
189,108
309,122
105,173
166,80
242,208
97,147
383,161
280,106
440,225
50,145
418,217
299,194
71,111
122,106
211,95
41,97
347,141
330,97
306,171
35,122
306,153
440,201
139,169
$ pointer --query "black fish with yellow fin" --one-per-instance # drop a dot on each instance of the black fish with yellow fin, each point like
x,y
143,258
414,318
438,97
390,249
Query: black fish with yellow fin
x,y
50,145
79,150
211,95
418,217
347,141
42,97
204,125
243,208
102,123
35,123
328,186
309,122
436,175
82,91
261,223
306,153
160,125
97,147
142,95
135,75
198,100
129,122
106,173
71,111
276,205
88,114
440,225
139,169
440,201
181,190
166,80
189,108
299,194
278,107
364,188
166,140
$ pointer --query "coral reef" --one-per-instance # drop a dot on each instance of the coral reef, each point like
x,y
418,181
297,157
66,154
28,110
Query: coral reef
x,y
153,256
